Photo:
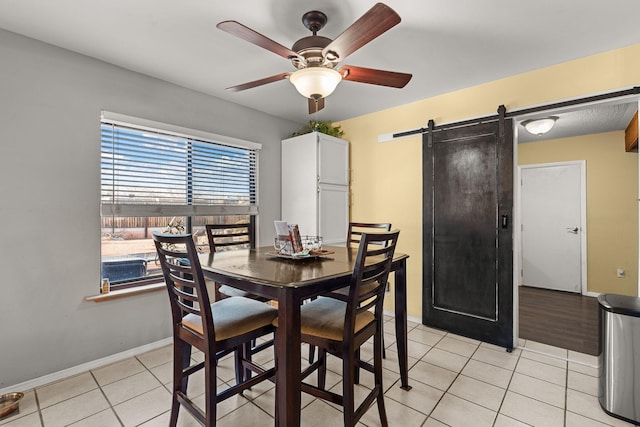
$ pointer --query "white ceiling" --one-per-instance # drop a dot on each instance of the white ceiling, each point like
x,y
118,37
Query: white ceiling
x,y
446,44
580,120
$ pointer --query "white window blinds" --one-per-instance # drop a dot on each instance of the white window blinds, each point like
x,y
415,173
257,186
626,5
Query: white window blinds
x,y
150,172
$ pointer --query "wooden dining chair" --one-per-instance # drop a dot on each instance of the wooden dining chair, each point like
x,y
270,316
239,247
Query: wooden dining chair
x,y
213,328
341,327
354,234
229,237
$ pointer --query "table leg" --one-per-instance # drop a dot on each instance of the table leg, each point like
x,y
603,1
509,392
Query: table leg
x,y
401,322
288,357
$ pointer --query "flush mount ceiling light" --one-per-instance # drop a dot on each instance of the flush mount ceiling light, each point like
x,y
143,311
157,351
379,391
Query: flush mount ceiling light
x,y
315,82
539,126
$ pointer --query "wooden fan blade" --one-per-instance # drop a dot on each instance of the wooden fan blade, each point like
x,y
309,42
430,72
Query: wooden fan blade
x,y
315,105
260,82
372,24
245,33
374,77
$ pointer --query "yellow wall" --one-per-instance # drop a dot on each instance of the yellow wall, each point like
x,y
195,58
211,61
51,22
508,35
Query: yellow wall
x,y
387,177
612,207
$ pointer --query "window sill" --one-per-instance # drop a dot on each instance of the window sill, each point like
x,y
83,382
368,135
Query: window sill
x,y
124,293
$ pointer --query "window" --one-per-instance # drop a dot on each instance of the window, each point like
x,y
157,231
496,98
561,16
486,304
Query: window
x,y
157,177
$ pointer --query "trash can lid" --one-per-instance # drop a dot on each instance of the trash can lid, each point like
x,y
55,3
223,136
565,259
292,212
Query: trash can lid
x,y
621,304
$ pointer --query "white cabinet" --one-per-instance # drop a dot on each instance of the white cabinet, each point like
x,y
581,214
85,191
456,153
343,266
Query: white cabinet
x,y
315,185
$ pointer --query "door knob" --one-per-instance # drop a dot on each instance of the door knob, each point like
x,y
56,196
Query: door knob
x,y
573,230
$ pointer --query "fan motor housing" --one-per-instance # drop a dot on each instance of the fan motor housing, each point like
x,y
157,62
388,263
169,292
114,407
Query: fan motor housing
x,y
311,47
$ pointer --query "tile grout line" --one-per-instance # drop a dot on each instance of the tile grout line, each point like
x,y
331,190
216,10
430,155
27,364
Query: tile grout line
x,y
555,356
105,398
98,387
497,412
454,380
566,389
153,375
506,390
35,395
513,371
469,358
566,393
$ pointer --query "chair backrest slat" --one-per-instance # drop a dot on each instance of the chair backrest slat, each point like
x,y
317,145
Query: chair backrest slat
x,y
355,230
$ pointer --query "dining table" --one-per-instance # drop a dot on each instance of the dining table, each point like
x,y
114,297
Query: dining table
x,y
290,281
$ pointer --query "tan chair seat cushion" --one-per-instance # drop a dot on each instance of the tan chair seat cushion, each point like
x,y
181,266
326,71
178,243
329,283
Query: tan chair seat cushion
x,y
230,291
324,317
234,316
343,293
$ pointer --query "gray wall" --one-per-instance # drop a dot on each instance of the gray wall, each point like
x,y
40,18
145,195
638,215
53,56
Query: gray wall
x,y
50,103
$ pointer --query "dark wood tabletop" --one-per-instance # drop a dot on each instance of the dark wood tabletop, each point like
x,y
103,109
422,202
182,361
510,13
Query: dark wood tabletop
x,y
290,282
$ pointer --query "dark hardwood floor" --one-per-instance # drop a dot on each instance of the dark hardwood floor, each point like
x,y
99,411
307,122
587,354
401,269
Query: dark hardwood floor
x,y
561,319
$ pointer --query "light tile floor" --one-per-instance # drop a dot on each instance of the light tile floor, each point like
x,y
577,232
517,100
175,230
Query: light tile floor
x,y
456,382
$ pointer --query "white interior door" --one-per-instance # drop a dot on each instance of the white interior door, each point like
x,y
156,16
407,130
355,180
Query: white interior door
x,y
553,226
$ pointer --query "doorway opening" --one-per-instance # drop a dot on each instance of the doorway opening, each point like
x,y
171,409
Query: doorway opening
x,y
588,124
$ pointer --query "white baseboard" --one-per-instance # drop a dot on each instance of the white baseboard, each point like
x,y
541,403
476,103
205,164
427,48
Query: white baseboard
x,y
414,320
392,313
75,370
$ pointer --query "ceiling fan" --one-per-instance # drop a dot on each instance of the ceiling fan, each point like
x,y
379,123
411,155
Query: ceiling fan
x,y
316,57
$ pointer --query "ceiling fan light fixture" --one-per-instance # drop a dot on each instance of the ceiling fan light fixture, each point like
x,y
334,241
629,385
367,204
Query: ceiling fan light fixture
x,y
315,82
539,126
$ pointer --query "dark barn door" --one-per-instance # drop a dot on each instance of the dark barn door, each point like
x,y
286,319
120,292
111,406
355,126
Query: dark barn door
x,y
468,203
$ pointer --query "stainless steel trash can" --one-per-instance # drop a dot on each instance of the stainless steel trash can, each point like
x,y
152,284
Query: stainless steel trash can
x,y
619,385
